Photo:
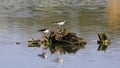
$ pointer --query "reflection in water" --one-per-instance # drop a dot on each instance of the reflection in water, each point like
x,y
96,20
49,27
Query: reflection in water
x,y
43,55
63,49
103,46
59,60
59,49
113,14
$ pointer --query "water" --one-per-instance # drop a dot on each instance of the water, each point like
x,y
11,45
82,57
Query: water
x,y
20,20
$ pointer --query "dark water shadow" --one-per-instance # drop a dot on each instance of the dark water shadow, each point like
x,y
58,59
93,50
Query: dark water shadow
x,y
103,47
63,49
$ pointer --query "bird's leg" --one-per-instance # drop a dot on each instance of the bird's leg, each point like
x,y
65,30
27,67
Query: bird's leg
x,y
55,29
43,36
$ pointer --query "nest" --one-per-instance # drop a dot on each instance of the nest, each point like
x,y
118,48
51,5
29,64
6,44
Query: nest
x,y
66,37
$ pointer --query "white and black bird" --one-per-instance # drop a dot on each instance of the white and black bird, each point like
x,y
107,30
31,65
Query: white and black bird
x,y
59,23
44,30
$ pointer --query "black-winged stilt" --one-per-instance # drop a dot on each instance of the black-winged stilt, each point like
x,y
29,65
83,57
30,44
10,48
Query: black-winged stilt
x,y
59,23
45,40
44,30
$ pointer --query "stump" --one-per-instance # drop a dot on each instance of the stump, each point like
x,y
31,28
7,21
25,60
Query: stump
x,y
66,38
103,42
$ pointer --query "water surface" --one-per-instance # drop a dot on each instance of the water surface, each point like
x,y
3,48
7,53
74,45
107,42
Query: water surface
x,y
20,20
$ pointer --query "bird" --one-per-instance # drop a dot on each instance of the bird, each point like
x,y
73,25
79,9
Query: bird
x,y
60,22
44,30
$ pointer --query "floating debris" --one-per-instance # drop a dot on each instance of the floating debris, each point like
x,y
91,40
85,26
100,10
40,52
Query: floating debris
x,y
65,37
103,38
65,42
18,43
103,42
34,42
